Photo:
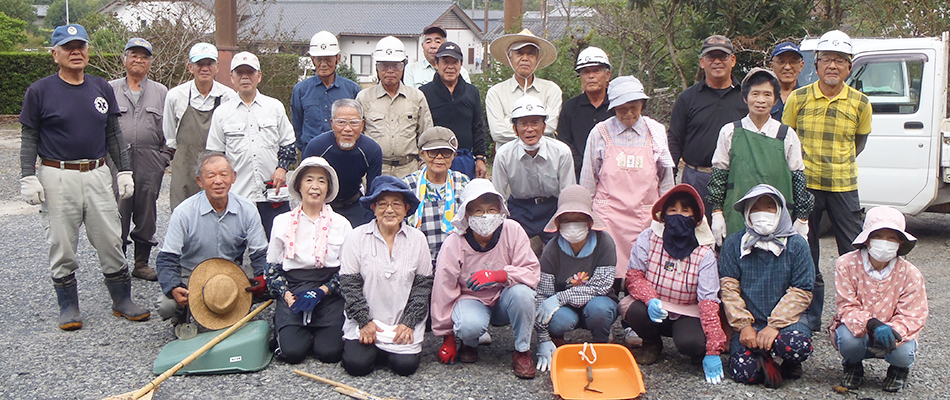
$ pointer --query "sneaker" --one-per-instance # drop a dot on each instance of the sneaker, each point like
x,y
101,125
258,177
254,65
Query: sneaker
x,y
523,365
467,354
791,369
484,339
648,353
895,379
853,375
631,339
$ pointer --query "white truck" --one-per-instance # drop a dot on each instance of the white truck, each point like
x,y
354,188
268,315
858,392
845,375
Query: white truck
x,y
906,163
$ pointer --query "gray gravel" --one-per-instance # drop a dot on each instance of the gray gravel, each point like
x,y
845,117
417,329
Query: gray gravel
x,y
112,356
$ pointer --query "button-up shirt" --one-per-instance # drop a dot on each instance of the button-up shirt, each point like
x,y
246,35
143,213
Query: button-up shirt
x,y
501,98
524,177
141,119
622,135
698,114
177,100
578,116
395,122
421,73
251,134
311,105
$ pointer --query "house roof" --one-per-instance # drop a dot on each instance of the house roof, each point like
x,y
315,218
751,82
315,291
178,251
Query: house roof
x,y
556,27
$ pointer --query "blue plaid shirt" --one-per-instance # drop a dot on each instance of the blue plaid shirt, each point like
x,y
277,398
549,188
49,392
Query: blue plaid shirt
x,y
433,206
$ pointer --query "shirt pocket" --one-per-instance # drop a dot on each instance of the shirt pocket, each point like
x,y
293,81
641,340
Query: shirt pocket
x,y
269,130
375,121
235,141
407,125
153,117
314,112
123,110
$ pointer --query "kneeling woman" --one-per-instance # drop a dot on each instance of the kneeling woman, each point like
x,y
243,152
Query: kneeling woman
x,y
303,264
386,280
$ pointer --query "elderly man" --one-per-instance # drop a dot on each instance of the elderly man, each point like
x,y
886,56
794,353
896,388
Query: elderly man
x,y
833,121
456,104
787,63
524,53
253,129
140,101
582,112
214,223
187,117
422,72
354,156
71,139
311,99
700,111
396,114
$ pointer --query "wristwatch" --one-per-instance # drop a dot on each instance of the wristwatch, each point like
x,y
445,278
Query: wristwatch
x,y
480,157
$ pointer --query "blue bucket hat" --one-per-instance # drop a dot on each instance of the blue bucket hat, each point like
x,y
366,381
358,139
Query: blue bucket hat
x,y
391,184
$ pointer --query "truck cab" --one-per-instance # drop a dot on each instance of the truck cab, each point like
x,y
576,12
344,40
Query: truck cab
x,y
906,163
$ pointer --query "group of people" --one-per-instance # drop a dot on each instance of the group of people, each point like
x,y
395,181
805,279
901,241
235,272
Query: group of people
x,y
395,222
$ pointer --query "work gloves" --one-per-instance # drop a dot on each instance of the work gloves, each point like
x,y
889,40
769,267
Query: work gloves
x,y
307,300
718,227
655,310
448,351
259,286
547,309
884,338
31,190
545,354
801,226
126,185
712,366
485,278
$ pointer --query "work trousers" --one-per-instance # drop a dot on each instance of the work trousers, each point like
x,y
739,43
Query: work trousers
x,y
844,211
687,332
360,359
515,306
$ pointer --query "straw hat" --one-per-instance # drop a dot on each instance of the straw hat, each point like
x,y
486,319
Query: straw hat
x,y
574,198
499,48
216,293
885,218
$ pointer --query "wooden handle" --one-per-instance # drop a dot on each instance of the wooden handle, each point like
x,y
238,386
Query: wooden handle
x,y
327,381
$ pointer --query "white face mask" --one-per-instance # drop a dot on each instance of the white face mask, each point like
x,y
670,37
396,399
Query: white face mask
x,y
485,224
882,250
528,147
763,222
574,232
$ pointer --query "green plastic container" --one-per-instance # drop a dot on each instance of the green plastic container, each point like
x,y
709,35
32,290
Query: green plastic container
x,y
244,351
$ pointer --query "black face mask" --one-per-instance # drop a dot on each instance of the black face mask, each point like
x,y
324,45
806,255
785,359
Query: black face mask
x,y
679,238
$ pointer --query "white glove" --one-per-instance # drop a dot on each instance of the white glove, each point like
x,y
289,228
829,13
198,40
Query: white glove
x,y
126,186
545,353
718,227
801,226
32,190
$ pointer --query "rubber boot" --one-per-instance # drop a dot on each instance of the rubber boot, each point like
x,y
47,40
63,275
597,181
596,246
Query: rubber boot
x,y
142,270
68,296
120,288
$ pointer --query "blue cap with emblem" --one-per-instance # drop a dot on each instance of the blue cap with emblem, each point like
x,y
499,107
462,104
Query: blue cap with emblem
x,y
785,47
139,42
67,33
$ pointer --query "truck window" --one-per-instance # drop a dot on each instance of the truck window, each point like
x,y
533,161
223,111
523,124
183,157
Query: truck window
x,y
892,85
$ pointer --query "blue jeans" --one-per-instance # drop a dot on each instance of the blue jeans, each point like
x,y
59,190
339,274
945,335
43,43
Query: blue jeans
x,y
599,314
854,349
515,306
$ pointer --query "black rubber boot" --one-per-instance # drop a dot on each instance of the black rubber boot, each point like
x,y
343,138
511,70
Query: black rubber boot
x,y
141,269
120,288
68,296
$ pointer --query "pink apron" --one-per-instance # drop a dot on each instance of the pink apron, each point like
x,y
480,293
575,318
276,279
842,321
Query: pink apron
x,y
627,187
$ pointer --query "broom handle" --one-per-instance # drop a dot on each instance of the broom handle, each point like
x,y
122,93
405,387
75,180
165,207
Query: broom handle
x,y
327,381
171,371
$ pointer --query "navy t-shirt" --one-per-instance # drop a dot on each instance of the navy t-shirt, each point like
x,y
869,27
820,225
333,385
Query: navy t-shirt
x,y
365,158
71,119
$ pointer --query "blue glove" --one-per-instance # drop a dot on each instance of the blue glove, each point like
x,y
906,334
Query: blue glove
x,y
545,353
712,366
656,311
546,310
307,300
884,335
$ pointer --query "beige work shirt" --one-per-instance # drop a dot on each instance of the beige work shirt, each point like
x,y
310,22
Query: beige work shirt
x,y
395,122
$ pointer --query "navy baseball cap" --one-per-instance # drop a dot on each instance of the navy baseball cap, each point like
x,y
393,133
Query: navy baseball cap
x,y
139,42
449,49
786,47
67,33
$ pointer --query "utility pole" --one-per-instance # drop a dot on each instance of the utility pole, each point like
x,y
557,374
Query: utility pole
x,y
513,11
225,37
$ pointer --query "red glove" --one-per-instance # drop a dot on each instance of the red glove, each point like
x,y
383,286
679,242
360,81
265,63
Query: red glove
x,y
258,286
447,352
773,377
484,278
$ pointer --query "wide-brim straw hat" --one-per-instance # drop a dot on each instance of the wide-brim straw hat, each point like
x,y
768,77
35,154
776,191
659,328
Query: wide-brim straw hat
x,y
574,198
547,53
886,218
318,162
216,293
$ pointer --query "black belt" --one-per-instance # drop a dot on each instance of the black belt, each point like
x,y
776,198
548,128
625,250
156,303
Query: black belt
x,y
395,162
707,170
345,203
81,166
538,200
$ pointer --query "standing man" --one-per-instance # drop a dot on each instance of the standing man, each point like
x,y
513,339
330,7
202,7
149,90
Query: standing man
x,y
140,103
354,156
833,121
456,104
254,131
700,111
311,99
187,117
72,138
396,114
787,63
421,72
582,112
524,53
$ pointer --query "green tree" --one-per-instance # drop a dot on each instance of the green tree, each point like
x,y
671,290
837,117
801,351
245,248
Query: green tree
x,y
12,32
907,18
56,14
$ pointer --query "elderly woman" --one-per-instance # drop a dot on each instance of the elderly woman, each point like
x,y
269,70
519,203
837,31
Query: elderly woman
x,y
881,301
486,273
303,265
577,272
766,274
436,186
386,280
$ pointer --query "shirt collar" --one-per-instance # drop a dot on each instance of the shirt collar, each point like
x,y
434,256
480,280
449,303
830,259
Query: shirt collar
x,y
542,151
616,126
873,273
706,86
381,91
770,125
516,86
215,90
842,94
587,250
204,205
257,97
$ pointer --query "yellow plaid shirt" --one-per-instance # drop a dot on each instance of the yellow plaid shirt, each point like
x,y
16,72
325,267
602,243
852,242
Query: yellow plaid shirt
x,y
827,128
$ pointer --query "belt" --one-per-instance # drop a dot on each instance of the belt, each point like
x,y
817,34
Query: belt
x,y
707,170
539,200
398,161
81,166
344,203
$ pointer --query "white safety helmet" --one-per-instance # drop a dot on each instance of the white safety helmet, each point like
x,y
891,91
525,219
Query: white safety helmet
x,y
836,41
591,56
324,44
389,48
528,106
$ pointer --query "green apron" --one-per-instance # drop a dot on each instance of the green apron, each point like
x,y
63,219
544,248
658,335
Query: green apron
x,y
753,159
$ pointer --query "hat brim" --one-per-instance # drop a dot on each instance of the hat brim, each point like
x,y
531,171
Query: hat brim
x,y
657,210
906,246
70,39
204,272
411,201
626,98
596,225
720,48
296,174
438,145
499,49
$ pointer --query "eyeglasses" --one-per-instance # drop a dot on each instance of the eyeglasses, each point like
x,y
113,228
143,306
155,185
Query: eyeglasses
x,y
388,65
833,60
536,124
340,122
323,60
435,153
396,205
480,212
139,56
779,63
722,56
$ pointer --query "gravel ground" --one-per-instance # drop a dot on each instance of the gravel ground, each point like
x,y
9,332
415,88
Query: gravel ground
x,y
111,355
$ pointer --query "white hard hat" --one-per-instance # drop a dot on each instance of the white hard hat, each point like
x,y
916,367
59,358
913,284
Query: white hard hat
x,y
527,106
591,56
324,44
389,48
835,40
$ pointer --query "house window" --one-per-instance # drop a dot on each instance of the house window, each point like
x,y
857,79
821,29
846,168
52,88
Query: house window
x,y
471,55
362,64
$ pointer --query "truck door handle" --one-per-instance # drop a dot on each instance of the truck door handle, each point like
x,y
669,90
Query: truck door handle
x,y
913,125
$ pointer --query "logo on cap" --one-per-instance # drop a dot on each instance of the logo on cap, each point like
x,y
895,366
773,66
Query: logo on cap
x,y
323,46
72,30
450,47
529,107
835,43
389,52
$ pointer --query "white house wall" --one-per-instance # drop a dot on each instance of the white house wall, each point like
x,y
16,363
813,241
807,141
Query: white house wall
x,y
134,15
